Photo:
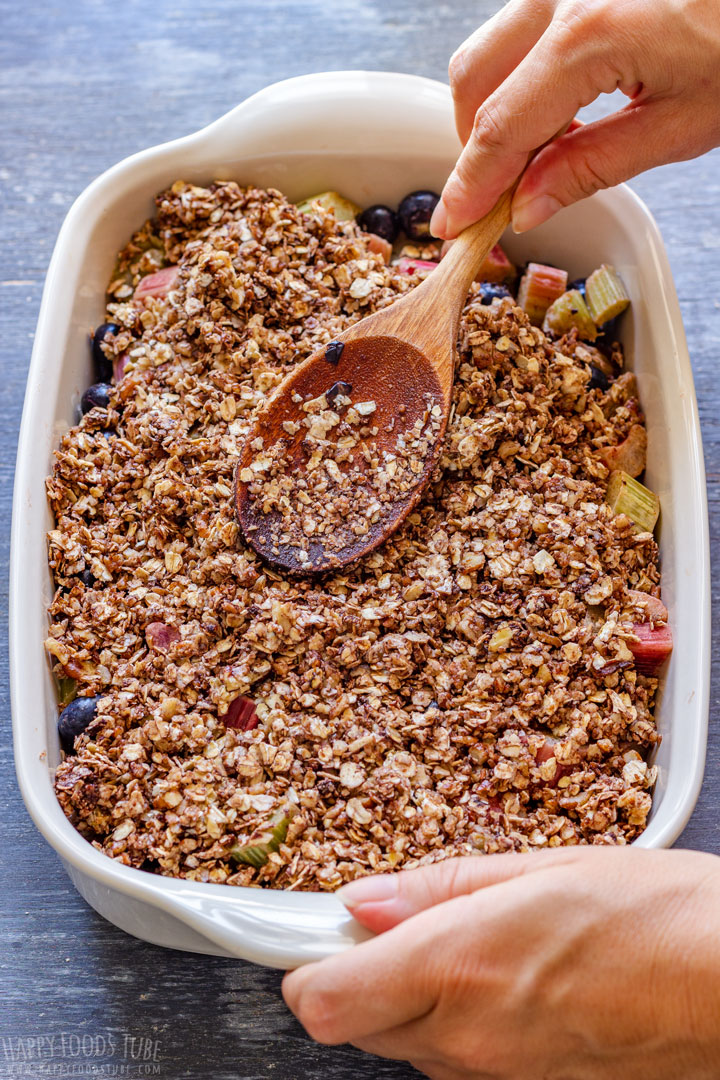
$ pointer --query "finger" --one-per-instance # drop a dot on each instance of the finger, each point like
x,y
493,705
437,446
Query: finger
x,y
372,987
600,155
381,902
486,58
540,97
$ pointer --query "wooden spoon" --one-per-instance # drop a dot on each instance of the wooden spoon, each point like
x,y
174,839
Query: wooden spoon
x,y
402,360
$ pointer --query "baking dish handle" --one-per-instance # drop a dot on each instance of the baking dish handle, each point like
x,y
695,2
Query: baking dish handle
x,y
264,926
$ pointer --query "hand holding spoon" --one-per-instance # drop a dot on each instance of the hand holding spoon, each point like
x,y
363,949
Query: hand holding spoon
x,y
347,443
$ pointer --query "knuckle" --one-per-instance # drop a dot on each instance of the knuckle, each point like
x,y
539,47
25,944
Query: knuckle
x,y
575,20
489,130
453,874
591,176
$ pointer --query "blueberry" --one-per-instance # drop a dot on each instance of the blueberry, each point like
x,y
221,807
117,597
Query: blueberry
x,y
336,390
333,352
380,220
73,720
578,284
608,330
96,396
598,379
490,291
103,366
87,577
415,212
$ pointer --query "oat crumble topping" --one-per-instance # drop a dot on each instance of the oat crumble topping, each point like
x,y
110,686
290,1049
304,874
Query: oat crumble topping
x,y
467,688
331,494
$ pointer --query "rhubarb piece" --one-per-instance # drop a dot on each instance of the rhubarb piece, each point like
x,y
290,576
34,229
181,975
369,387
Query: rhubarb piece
x,y
606,295
160,636
545,752
342,208
256,853
414,267
241,715
629,456
380,246
651,647
568,311
119,365
414,213
157,284
652,606
381,221
627,496
66,690
539,287
496,267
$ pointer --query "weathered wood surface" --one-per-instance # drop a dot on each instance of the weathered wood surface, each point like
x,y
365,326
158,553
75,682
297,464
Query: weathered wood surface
x,y
83,84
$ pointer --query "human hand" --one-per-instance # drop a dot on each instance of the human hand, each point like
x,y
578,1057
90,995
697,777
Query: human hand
x,y
522,76
572,964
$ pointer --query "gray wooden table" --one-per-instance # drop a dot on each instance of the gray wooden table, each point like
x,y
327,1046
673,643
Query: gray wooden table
x,y
83,84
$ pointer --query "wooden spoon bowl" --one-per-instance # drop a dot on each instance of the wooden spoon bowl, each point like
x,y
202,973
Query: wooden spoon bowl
x,y
400,360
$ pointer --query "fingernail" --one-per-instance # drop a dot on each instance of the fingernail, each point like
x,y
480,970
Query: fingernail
x,y
526,215
438,221
368,890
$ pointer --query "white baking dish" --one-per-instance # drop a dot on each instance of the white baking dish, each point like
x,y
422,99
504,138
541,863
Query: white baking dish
x,y
373,137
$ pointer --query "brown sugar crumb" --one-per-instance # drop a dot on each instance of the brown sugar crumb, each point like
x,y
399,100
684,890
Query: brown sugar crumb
x,y
467,688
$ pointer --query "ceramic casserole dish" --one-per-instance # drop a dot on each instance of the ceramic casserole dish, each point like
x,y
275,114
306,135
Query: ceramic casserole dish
x,y
374,137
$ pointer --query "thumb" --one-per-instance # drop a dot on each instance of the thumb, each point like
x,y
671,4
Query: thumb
x,y
595,156
382,901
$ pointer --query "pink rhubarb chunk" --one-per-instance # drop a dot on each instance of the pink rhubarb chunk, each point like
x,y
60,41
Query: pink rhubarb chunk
x,y
158,284
414,267
654,609
546,751
380,246
119,365
241,714
496,268
160,636
652,648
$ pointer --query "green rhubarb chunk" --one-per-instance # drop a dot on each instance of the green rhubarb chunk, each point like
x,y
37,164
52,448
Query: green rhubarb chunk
x,y
627,496
606,295
568,311
66,690
342,208
257,854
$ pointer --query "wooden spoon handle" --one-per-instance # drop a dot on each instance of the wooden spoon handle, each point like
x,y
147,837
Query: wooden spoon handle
x,y
461,265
